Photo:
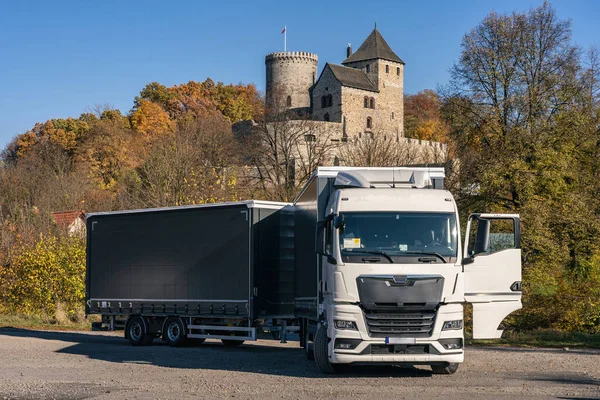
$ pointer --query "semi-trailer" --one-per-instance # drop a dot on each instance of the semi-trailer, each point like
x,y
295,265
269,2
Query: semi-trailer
x,y
367,263
217,271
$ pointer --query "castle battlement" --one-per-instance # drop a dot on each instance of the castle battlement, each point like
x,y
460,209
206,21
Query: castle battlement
x,y
292,56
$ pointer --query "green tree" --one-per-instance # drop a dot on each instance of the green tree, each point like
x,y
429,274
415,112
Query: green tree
x,y
522,111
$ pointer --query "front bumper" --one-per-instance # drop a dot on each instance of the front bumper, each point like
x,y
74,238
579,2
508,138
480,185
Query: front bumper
x,y
367,349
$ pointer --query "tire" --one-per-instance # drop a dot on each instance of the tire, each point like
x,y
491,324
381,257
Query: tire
x,y
445,369
174,332
321,353
231,342
137,332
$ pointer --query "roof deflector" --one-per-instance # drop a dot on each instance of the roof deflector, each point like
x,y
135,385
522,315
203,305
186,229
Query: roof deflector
x,y
347,179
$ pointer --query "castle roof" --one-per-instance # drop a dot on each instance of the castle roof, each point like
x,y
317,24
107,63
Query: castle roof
x,y
373,47
352,77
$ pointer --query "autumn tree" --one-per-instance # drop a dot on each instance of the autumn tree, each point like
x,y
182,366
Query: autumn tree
x,y
151,120
422,117
194,165
109,150
284,149
235,102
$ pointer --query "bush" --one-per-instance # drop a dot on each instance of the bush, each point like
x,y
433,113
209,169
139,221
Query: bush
x,y
45,278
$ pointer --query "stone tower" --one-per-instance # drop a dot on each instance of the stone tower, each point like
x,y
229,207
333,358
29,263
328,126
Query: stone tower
x,y
290,77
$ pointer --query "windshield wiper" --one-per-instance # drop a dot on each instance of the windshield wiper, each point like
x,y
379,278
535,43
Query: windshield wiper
x,y
438,255
379,253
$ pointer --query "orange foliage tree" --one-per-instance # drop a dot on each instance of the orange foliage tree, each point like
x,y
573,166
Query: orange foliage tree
x,y
151,120
422,118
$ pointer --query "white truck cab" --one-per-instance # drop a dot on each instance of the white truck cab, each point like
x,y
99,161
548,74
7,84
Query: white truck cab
x,y
393,272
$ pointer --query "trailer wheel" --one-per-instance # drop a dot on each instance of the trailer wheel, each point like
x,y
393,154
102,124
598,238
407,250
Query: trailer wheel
x,y
321,353
232,342
174,332
137,332
445,369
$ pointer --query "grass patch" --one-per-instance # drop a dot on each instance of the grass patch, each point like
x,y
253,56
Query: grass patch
x,y
45,323
542,338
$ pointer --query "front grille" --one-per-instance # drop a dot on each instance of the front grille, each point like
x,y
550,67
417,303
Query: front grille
x,y
400,324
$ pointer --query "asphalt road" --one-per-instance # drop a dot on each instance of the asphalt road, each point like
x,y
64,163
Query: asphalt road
x,y
80,365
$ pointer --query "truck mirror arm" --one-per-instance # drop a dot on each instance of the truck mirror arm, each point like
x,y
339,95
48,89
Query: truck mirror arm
x,y
468,260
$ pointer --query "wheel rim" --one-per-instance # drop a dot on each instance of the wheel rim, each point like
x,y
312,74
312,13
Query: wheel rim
x,y
135,332
173,331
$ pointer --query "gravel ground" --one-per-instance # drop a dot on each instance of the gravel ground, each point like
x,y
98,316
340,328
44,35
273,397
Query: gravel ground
x,y
79,365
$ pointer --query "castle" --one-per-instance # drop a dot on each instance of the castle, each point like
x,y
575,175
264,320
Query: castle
x,y
364,95
361,99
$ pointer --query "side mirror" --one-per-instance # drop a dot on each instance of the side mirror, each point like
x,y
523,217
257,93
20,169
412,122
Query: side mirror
x,y
483,237
320,242
339,222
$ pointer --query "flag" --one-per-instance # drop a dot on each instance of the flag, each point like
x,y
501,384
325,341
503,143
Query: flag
x,y
283,31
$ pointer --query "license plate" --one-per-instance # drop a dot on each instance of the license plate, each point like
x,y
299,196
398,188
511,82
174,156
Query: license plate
x,y
389,340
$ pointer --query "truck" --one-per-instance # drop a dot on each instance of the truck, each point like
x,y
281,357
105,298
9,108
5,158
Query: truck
x,y
367,265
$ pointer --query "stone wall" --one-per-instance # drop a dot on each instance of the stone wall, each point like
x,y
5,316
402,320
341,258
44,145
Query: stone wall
x,y
412,151
327,85
355,112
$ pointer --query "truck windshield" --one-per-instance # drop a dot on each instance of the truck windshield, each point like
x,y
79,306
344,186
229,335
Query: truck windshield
x,y
425,237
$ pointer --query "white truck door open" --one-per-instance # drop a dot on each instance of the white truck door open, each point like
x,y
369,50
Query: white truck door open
x,y
492,268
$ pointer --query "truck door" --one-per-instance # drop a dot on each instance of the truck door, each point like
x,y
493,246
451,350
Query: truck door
x,y
492,268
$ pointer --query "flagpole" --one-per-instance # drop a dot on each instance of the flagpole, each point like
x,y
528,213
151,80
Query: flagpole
x,y
284,39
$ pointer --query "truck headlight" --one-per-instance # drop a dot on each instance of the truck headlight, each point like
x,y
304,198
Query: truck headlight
x,y
348,325
452,325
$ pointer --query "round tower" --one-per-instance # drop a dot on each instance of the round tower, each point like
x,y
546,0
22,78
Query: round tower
x,y
290,76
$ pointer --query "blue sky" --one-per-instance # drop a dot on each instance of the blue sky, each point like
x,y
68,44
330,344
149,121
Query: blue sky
x,y
60,58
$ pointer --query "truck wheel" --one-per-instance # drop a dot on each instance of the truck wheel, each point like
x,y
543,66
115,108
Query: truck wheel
x,y
321,354
137,332
232,342
445,369
174,332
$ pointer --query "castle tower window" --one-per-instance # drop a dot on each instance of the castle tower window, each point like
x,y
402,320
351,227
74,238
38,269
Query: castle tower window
x,y
369,123
366,102
326,117
398,71
392,115
309,137
387,69
368,67
372,103
288,102
329,100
